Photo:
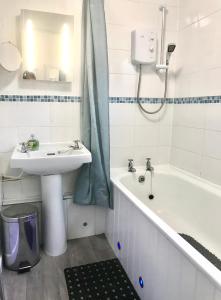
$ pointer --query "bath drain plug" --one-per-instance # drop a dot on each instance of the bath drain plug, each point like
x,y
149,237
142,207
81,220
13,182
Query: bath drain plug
x,y
151,196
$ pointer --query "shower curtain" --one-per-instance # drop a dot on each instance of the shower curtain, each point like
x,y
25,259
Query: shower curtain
x,y
93,183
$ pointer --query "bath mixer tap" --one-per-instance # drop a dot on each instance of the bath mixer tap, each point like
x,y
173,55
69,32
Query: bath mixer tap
x,y
131,165
149,167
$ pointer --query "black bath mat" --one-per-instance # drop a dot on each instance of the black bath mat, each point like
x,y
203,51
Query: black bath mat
x,y
105,280
201,249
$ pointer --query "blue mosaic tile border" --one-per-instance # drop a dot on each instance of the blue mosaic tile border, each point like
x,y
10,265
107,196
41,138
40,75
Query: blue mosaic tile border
x,y
198,100
52,98
38,98
185,100
133,100
116,100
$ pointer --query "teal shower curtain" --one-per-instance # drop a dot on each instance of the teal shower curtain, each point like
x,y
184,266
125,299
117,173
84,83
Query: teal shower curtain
x,y
93,183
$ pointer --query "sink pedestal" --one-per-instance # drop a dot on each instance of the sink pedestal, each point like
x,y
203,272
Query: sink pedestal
x,y
54,229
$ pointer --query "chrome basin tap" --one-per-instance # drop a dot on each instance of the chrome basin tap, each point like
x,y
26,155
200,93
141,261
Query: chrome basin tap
x,y
131,165
24,147
76,145
149,167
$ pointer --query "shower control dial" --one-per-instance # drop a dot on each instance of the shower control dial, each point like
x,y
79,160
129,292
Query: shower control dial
x,y
143,46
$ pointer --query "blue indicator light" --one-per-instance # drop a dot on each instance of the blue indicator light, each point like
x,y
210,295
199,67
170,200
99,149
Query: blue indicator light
x,y
118,246
141,282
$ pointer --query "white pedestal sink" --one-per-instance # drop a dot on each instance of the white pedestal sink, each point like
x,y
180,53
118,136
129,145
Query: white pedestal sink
x,y
50,161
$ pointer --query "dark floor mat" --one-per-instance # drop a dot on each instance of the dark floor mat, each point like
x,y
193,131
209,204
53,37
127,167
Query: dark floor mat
x,y
105,280
206,253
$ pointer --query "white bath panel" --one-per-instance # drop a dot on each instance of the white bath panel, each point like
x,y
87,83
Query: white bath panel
x,y
148,257
173,281
142,245
133,252
217,295
116,222
162,269
131,243
187,279
136,250
204,288
123,225
148,251
129,227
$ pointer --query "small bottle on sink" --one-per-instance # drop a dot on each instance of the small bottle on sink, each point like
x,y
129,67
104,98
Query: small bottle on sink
x,y
33,143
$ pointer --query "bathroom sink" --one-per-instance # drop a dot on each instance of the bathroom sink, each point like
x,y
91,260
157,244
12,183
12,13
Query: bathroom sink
x,y
50,159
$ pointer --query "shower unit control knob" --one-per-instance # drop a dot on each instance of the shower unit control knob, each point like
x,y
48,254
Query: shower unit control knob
x,y
143,46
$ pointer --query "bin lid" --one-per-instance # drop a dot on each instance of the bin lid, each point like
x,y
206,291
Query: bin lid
x,y
16,212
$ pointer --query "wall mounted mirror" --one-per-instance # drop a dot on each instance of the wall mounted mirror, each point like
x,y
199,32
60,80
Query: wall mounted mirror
x,y
10,57
47,46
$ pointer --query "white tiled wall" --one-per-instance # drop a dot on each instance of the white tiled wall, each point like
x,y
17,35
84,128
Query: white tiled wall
x,y
196,138
199,42
122,17
133,135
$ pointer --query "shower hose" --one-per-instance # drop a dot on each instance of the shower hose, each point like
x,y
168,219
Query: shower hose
x,y
138,94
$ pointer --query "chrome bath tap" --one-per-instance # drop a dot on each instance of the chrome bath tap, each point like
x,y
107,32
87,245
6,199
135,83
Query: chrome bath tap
x,y
131,165
149,167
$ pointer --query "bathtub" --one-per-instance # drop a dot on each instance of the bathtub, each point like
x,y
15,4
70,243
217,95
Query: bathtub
x,y
144,233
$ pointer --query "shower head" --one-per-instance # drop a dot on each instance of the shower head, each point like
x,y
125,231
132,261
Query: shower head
x,y
170,50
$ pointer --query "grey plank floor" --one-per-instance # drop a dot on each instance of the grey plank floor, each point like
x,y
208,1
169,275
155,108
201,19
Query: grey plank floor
x,y
46,280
